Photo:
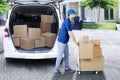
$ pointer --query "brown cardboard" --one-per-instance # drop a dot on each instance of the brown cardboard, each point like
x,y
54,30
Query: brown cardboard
x,y
50,38
40,43
27,43
94,64
16,41
34,33
97,51
86,50
20,31
47,19
96,42
45,27
85,39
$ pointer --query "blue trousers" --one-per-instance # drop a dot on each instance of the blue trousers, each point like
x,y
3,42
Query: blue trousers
x,y
62,50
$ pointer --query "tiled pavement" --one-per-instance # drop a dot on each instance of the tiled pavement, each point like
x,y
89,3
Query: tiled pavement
x,y
1,38
43,69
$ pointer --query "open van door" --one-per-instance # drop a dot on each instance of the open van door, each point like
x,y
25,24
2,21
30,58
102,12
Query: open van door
x,y
56,3
39,1
74,1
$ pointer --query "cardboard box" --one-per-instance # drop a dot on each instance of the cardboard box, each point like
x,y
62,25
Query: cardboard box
x,y
45,27
20,31
47,19
16,41
86,50
27,43
34,33
96,42
85,39
97,51
92,64
50,38
40,43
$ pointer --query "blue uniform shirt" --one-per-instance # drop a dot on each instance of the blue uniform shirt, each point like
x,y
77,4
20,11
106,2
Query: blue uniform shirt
x,y
63,35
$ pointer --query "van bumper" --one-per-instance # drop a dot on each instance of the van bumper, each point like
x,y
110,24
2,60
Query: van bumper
x,y
17,55
11,52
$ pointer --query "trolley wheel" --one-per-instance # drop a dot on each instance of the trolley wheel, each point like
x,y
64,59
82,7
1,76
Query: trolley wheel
x,y
96,72
78,72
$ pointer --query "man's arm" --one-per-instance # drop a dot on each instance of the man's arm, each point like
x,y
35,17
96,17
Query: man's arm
x,y
72,37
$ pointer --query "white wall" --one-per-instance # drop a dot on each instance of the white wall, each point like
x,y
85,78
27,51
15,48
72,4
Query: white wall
x,y
90,14
119,9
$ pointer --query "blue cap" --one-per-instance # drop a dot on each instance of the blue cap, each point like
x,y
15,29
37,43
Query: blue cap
x,y
71,11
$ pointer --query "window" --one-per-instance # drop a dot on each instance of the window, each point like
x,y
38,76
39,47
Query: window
x,y
109,14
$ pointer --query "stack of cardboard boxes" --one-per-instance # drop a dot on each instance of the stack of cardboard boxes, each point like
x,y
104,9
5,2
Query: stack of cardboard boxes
x,y
91,58
25,37
46,21
29,38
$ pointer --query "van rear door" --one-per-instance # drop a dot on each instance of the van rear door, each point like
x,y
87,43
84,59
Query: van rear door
x,y
39,1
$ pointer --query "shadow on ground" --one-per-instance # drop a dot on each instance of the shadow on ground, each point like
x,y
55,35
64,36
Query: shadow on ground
x,y
37,64
47,66
68,76
91,76
82,76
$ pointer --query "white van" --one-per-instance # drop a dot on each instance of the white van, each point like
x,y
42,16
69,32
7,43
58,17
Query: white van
x,y
28,12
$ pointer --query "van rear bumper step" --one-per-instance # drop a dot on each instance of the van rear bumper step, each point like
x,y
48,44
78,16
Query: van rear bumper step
x,y
35,50
32,56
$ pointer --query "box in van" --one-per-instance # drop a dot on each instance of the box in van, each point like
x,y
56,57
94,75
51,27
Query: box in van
x,y
27,44
47,19
16,41
50,38
34,33
20,31
45,27
40,42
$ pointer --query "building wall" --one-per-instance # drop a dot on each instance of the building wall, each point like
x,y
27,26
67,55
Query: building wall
x,y
119,9
90,14
117,14
74,6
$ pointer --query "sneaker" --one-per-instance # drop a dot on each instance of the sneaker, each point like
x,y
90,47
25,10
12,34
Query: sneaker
x,y
58,72
69,71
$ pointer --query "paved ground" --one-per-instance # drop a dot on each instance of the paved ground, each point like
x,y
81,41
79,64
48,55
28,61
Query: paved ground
x,y
1,38
110,43
43,69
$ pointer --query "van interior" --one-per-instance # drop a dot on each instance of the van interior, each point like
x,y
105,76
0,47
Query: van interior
x,y
31,15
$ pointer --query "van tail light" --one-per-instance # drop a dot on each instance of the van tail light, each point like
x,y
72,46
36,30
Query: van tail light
x,y
6,33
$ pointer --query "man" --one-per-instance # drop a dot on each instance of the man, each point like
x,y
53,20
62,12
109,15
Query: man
x,y
64,35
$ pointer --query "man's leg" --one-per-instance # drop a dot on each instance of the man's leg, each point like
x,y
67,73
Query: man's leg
x,y
66,57
61,48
